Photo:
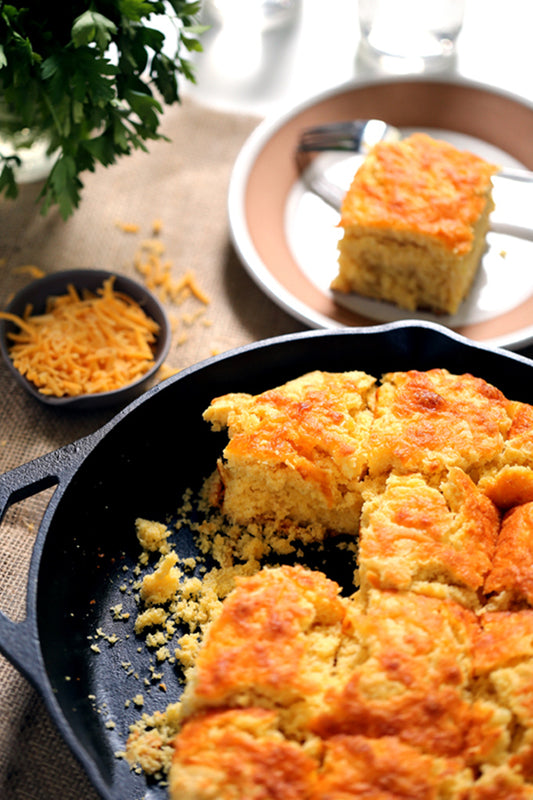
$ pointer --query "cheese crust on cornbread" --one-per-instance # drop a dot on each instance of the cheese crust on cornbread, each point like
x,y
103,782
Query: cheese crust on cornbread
x,y
419,682
414,224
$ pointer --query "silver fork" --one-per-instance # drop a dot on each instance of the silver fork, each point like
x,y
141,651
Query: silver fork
x,y
359,136
356,135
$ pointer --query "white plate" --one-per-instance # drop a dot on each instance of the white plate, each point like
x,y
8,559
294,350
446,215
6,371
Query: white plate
x,y
287,237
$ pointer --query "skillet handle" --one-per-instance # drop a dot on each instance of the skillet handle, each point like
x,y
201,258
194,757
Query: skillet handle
x,y
19,641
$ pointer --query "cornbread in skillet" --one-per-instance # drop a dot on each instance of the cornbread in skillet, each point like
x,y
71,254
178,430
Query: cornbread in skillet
x,y
272,645
430,421
239,753
296,453
422,538
414,224
418,684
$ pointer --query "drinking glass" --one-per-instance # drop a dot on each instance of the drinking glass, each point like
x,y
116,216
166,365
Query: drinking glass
x,y
410,35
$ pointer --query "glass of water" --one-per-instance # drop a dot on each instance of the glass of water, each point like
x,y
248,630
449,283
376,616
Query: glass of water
x,y
402,36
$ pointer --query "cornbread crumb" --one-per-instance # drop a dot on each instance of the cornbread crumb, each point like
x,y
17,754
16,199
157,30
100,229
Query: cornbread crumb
x,y
187,650
150,740
152,616
151,535
161,585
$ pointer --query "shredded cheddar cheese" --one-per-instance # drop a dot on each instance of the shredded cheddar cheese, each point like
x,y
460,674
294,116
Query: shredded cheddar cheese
x,y
83,344
128,227
31,269
157,275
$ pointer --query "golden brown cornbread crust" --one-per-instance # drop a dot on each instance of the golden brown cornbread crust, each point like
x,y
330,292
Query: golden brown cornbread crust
x,y
420,683
298,451
309,452
414,223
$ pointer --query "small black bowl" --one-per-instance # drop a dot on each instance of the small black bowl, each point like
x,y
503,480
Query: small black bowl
x,y
37,293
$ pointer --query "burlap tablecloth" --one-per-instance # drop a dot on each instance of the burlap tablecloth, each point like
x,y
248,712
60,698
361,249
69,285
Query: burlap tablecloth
x,y
183,184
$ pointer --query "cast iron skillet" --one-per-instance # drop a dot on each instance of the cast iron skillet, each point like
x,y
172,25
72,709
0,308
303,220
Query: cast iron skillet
x,y
138,465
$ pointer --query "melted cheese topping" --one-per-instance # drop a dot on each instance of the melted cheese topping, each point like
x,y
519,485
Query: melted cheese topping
x,y
423,185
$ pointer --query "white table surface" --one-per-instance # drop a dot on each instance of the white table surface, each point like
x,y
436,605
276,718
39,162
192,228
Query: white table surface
x,y
244,70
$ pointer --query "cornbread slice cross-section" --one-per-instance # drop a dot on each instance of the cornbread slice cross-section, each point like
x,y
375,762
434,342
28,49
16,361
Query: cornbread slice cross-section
x,y
414,224
511,575
298,452
503,665
509,480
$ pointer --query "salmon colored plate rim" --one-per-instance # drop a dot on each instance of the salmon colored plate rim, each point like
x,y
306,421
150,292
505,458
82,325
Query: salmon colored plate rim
x,y
265,172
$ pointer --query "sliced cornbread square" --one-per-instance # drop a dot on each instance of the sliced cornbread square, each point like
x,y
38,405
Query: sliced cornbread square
x,y
238,753
273,645
430,421
428,539
296,453
410,676
414,224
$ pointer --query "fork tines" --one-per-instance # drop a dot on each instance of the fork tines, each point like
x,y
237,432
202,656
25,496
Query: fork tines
x,y
351,135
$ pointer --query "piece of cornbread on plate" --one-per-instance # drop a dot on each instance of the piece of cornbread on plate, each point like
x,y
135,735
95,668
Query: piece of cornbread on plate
x,y
296,454
414,224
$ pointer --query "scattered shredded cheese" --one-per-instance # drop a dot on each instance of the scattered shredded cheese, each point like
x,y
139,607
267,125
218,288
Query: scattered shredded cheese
x,y
31,269
83,344
157,275
128,227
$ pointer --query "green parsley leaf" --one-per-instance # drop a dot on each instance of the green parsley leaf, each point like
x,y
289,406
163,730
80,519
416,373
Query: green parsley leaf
x,y
93,27
92,80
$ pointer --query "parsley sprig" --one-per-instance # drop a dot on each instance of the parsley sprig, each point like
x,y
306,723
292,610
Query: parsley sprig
x,y
94,77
